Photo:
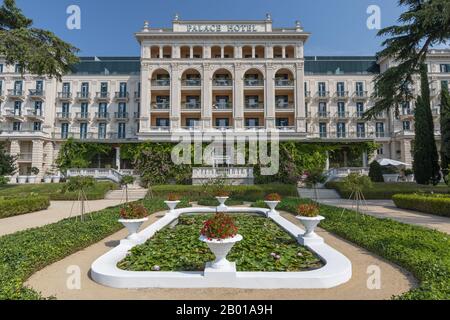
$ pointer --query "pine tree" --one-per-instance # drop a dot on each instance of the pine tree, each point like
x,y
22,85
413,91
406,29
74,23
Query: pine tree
x,y
426,159
445,131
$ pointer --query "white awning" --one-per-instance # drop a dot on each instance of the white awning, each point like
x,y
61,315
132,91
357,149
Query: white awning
x,y
390,162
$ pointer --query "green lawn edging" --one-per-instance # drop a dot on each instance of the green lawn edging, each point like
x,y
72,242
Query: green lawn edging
x,y
423,252
383,191
433,204
24,253
10,207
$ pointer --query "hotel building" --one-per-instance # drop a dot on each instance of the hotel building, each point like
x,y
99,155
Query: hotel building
x,y
207,76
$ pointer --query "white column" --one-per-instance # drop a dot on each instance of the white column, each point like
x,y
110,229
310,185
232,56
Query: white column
x,y
38,158
222,52
146,96
175,99
207,52
15,151
238,52
207,97
283,52
238,98
270,112
300,113
191,52
161,52
118,158
253,52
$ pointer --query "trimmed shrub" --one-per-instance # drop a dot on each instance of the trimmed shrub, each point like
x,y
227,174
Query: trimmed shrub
x,y
16,206
433,204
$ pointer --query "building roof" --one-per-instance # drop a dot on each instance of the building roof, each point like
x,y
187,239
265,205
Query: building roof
x,y
320,65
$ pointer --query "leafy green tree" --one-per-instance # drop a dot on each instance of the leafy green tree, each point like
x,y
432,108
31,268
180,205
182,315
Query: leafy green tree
x,y
445,131
376,172
426,159
7,162
37,51
423,25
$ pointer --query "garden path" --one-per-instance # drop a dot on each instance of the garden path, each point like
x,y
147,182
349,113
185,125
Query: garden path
x,y
57,211
387,209
51,281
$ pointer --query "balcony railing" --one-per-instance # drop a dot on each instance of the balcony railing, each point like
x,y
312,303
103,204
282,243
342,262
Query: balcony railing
x,y
254,105
341,94
118,135
13,114
102,96
286,128
121,116
284,83
161,106
285,105
121,95
82,115
64,95
323,94
361,95
380,134
83,96
35,114
342,115
16,93
102,116
63,115
358,114
160,128
323,114
37,94
222,106
222,83
254,83
161,83
192,105
191,82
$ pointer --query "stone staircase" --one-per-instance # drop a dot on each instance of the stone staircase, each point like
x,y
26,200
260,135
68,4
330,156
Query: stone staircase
x,y
322,194
134,194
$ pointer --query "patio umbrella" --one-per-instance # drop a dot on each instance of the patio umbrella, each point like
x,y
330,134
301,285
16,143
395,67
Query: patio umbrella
x,y
390,162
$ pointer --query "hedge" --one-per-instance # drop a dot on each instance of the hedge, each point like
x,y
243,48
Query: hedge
x,y
16,206
24,253
433,204
383,191
55,191
423,252
240,193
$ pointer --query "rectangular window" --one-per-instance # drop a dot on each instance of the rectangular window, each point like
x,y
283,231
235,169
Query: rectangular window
x,y
359,88
406,125
251,101
282,101
222,122
380,129
83,130
340,89
18,86
122,109
18,68
64,130
444,84
282,122
192,122
323,109
1,68
341,130
102,109
406,108
341,109
65,108
323,130
123,90
84,109
322,89
38,108
37,126
18,108
66,87
193,102
39,86
1,87
222,102
361,130
102,130
445,68
162,122
359,109
17,126
252,122
104,87
85,89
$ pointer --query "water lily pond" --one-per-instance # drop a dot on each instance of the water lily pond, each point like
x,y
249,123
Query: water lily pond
x,y
266,247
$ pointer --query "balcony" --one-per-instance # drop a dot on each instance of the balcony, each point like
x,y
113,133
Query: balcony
x,y
343,115
161,106
253,83
118,136
223,128
14,115
284,83
381,134
102,97
223,106
323,95
222,83
35,114
16,94
101,116
254,106
341,95
38,95
323,115
360,95
83,96
406,115
122,96
191,106
254,128
285,106
191,83
286,128
121,116
82,116
161,83
24,130
358,115
160,128
65,96
65,116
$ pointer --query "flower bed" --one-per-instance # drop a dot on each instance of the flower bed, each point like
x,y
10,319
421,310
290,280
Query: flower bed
x,y
437,204
10,206
212,202
265,247
424,252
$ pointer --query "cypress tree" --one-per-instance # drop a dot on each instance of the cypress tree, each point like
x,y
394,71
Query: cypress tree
x,y
376,172
426,159
445,130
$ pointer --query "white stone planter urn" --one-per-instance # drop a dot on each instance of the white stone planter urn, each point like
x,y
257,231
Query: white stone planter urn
x,y
172,204
11,179
47,179
32,179
22,179
310,224
133,226
391,177
220,248
272,205
56,179
222,201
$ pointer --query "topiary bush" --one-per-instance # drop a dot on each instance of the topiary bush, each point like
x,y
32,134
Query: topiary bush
x,y
428,203
16,206
376,172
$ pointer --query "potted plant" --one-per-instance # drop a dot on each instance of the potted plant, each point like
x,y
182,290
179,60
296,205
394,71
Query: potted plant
x,y
172,201
48,176
390,174
132,217
222,196
409,175
272,200
22,179
310,218
220,233
34,172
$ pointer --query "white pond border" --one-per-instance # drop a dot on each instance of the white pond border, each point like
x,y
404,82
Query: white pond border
x,y
337,269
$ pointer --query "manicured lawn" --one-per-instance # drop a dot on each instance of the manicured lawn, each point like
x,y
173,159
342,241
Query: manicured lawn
x,y
24,253
179,248
55,191
241,193
424,252
438,204
381,191
212,202
16,206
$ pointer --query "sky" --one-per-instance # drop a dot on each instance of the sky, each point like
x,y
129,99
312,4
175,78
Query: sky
x,y
337,27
